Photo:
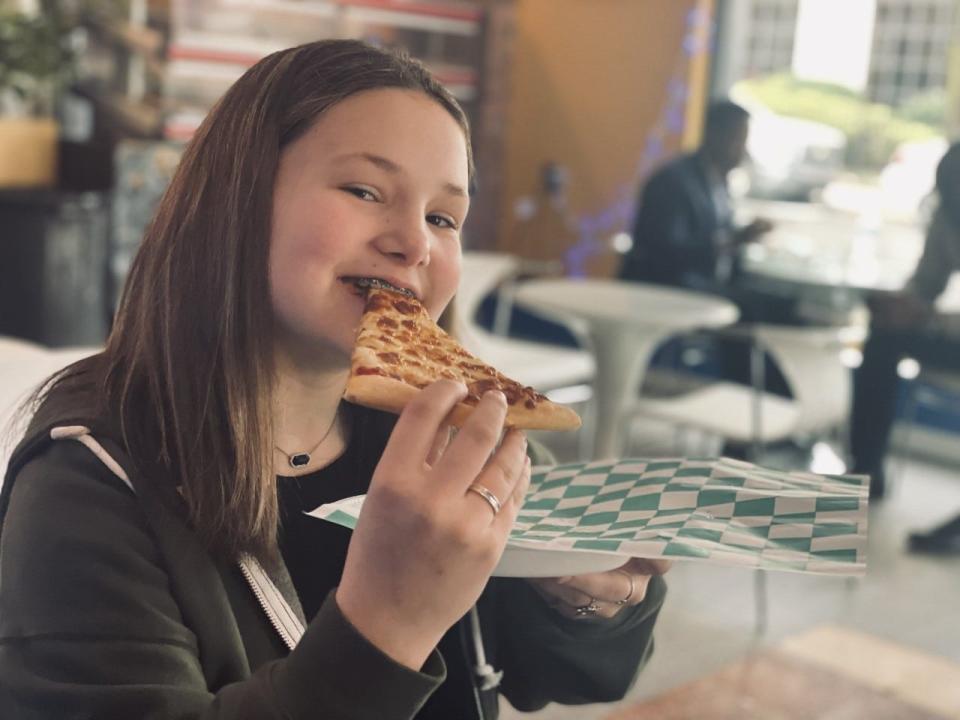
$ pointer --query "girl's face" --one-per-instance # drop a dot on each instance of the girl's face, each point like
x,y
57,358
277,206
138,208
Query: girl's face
x,y
376,188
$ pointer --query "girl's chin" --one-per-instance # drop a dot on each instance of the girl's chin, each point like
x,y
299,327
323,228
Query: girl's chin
x,y
326,352
336,350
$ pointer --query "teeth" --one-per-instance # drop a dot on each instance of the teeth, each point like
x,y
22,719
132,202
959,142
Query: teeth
x,y
381,285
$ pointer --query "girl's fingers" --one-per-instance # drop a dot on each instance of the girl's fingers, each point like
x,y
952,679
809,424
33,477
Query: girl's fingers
x,y
566,600
609,592
508,515
614,585
651,566
557,594
467,454
500,476
415,433
520,491
623,586
440,443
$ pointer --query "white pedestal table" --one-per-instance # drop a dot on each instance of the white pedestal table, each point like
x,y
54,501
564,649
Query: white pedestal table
x,y
622,323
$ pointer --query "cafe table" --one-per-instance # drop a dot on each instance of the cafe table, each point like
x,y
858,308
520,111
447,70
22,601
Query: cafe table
x,y
839,273
622,323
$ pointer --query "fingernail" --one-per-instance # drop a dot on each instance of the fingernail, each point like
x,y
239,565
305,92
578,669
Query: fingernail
x,y
496,394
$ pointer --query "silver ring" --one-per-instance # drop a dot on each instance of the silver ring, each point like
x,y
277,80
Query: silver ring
x,y
492,500
587,610
633,587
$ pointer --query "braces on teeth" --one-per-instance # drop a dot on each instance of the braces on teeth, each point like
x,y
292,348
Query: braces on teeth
x,y
381,285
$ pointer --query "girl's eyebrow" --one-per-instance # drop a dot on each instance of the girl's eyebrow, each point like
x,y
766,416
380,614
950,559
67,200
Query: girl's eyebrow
x,y
394,169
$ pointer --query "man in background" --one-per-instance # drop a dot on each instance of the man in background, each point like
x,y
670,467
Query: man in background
x,y
906,324
684,233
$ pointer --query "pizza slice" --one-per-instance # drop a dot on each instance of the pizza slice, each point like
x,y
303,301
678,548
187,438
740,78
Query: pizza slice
x,y
400,349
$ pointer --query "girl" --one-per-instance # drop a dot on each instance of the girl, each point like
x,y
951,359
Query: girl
x,y
155,559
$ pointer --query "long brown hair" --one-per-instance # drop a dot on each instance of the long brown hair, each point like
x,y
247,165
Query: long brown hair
x,y
188,367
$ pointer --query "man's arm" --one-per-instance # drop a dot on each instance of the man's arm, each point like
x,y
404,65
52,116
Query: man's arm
x,y
940,259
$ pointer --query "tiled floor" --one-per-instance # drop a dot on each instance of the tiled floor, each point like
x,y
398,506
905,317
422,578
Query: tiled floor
x,y
828,672
709,619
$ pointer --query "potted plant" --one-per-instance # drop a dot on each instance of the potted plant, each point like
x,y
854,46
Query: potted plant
x,y
35,66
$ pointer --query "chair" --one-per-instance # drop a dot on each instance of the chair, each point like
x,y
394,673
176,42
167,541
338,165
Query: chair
x,y
563,374
546,367
808,357
810,360
23,366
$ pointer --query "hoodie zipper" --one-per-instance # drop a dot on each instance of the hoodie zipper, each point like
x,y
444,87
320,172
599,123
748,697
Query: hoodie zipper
x,y
273,604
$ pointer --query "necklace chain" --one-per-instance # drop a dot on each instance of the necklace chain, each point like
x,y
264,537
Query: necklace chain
x,y
300,459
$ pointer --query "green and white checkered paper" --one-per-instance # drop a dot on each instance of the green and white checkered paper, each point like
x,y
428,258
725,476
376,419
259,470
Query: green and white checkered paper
x,y
715,510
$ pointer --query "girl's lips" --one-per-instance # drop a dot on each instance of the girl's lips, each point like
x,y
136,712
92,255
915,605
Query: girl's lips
x,y
353,288
364,283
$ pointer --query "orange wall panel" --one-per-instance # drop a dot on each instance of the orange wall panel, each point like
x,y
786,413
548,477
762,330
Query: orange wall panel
x,y
591,89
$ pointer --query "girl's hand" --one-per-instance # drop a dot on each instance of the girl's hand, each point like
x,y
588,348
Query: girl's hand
x,y
600,595
425,545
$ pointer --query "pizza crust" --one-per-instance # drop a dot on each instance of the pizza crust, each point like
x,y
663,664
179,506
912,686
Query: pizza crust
x,y
546,417
390,395
383,393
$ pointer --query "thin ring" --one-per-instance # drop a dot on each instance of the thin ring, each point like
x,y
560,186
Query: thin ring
x,y
492,500
587,610
633,587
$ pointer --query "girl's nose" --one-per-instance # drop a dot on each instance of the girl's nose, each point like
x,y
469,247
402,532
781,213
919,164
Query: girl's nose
x,y
407,242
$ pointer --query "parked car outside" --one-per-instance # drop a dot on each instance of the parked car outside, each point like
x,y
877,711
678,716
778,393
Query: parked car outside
x,y
790,158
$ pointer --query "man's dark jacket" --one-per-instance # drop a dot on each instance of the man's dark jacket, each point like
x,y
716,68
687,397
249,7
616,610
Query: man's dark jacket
x,y
676,231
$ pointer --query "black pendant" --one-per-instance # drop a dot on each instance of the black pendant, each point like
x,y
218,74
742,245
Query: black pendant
x,y
299,460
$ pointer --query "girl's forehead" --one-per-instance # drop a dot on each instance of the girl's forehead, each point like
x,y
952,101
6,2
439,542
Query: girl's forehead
x,y
405,126
387,113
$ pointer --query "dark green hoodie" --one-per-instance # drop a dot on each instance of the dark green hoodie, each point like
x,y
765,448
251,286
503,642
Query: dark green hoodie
x,y
111,608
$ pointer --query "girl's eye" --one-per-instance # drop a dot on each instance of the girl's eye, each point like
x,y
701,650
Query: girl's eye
x,y
362,193
442,221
